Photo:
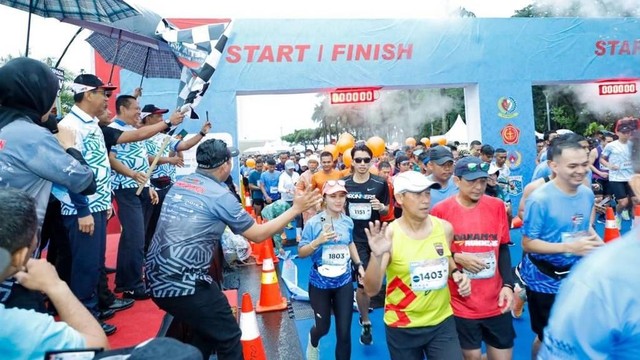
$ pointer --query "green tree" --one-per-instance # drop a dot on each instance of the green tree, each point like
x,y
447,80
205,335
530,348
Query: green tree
x,y
66,96
305,137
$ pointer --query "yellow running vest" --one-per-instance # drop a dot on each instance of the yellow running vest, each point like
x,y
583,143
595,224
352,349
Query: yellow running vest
x,y
417,293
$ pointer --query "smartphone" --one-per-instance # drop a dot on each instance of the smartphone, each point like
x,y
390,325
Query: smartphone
x,y
76,354
327,224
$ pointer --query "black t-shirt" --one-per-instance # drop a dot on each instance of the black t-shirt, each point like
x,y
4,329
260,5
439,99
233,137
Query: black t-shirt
x,y
111,136
358,206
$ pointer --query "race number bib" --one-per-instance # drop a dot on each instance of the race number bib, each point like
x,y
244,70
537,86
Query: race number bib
x,y
489,259
335,254
273,190
360,211
429,274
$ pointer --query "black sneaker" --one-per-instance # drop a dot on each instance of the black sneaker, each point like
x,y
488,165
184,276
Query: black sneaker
x,y
137,294
106,314
108,328
121,304
365,335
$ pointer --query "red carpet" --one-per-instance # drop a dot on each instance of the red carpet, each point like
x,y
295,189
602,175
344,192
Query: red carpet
x,y
138,323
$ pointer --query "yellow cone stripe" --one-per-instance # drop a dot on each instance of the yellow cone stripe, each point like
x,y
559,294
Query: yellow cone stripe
x,y
269,278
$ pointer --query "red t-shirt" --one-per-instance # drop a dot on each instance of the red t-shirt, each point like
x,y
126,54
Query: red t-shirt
x,y
392,201
479,230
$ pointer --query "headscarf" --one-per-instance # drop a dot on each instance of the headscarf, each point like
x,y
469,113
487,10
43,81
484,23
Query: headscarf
x,y
28,88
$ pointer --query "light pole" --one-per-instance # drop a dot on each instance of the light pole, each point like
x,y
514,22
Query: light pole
x,y
546,99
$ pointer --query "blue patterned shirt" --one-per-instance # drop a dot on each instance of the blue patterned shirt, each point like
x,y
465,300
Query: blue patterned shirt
x,y
90,142
132,155
153,146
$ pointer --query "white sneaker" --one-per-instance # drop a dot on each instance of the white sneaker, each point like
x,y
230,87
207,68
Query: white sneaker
x,y
625,215
313,353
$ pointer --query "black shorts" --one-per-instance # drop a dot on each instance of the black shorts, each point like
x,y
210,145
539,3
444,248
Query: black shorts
x,y
497,332
257,202
436,342
619,189
364,253
539,310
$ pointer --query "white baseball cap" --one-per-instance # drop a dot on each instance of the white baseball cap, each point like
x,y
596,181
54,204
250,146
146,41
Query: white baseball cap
x,y
412,181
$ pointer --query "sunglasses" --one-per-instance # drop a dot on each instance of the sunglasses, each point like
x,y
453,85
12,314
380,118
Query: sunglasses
x,y
335,182
362,160
478,167
106,93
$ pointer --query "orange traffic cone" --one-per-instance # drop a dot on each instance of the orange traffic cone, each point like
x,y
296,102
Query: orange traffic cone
x,y
636,215
611,231
251,340
270,297
271,253
516,222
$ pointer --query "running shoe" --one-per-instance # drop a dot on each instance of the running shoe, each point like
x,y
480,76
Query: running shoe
x,y
365,335
625,215
313,353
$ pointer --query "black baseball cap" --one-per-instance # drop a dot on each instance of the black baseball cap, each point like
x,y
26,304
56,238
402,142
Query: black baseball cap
x,y
440,155
87,82
471,168
151,109
213,153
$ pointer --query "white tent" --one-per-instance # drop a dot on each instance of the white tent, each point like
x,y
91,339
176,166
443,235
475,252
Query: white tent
x,y
458,132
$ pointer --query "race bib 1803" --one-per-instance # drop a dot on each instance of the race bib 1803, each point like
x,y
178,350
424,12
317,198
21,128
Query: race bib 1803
x,y
335,254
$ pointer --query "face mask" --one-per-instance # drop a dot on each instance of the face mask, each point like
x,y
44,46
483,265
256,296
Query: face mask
x,y
51,124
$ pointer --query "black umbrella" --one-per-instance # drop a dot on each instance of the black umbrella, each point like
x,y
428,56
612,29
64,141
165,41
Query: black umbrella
x,y
100,11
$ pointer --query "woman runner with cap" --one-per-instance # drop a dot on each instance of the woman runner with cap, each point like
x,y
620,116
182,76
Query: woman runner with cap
x,y
327,238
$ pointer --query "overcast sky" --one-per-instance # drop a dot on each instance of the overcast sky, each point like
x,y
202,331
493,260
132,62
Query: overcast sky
x,y
49,36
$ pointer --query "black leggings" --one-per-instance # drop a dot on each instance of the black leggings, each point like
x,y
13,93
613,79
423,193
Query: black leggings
x,y
340,300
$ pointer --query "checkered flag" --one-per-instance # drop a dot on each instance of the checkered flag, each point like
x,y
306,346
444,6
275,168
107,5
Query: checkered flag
x,y
190,45
197,83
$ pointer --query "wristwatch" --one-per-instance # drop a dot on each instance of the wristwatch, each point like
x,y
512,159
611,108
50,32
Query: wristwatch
x,y
168,122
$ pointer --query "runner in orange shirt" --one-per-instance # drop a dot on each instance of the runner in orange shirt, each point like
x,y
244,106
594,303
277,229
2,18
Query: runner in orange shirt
x,y
328,172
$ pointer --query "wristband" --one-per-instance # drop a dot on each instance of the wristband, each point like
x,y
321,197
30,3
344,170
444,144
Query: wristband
x,y
508,286
454,271
311,244
202,134
357,265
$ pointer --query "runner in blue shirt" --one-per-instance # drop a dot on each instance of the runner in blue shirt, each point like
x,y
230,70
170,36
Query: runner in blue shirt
x,y
327,238
257,199
269,182
556,231
596,314
441,166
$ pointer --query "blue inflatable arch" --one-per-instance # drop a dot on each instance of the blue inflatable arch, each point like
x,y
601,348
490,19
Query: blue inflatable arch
x,y
496,61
